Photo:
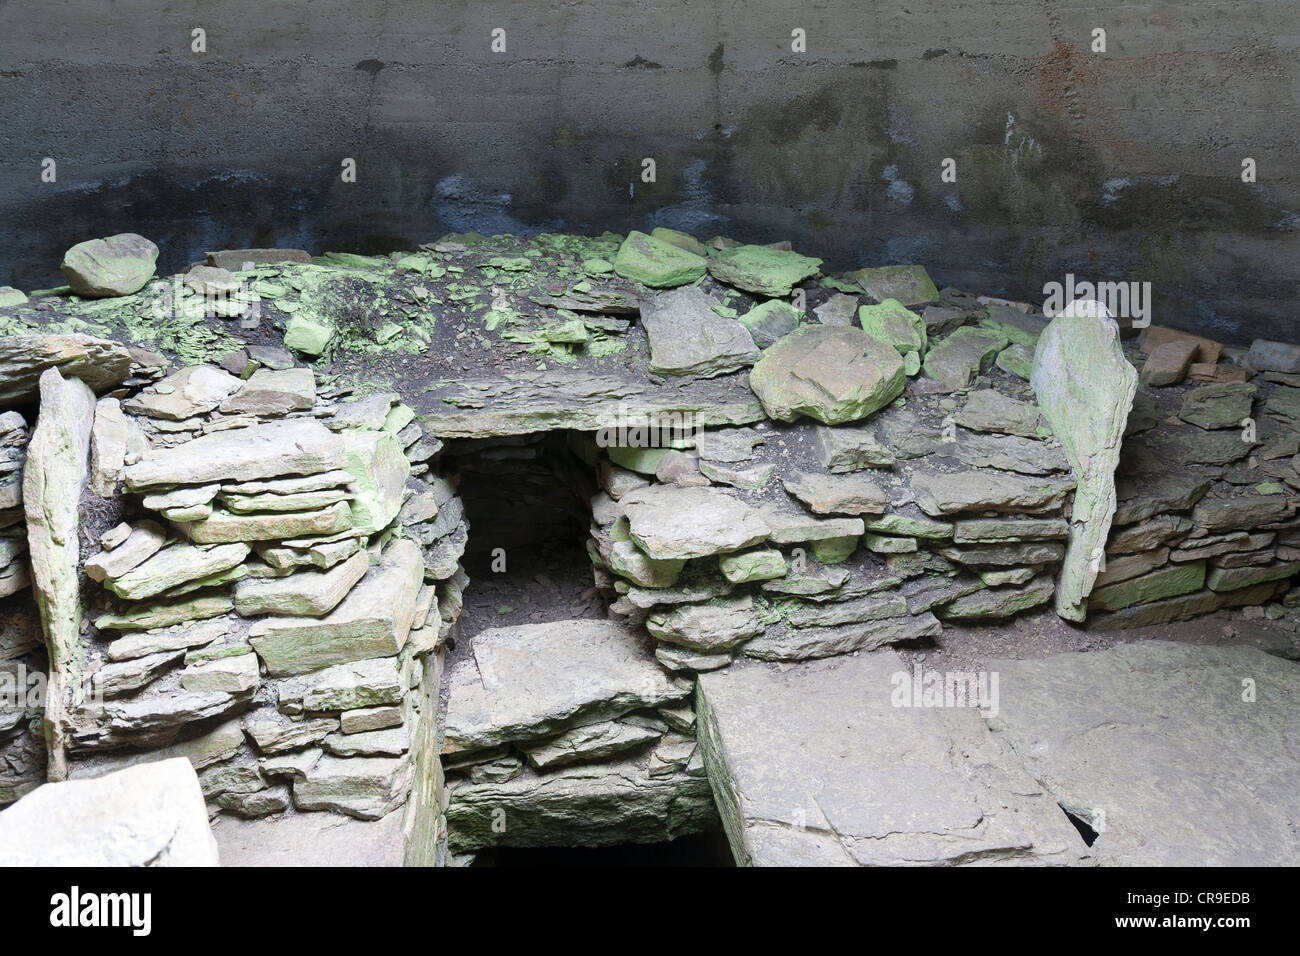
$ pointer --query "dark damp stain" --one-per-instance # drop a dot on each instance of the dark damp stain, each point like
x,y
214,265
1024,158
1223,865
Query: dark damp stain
x,y
933,54
370,66
715,60
875,64
639,62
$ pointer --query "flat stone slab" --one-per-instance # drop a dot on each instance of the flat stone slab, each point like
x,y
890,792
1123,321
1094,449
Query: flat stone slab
x,y
310,839
604,804
151,814
1154,745
688,338
813,765
532,681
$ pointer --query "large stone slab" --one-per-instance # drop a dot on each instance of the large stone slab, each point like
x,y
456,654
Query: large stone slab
x,y
373,620
815,765
99,363
832,373
940,493
54,477
655,263
534,680
151,814
668,522
305,593
1085,387
688,338
605,804
310,840
192,391
272,450
1177,754
175,565
762,269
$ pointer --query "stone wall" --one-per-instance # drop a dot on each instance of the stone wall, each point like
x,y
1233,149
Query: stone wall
x,y
1118,165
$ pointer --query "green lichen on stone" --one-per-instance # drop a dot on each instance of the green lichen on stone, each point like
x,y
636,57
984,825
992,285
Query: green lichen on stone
x,y
894,324
657,264
762,270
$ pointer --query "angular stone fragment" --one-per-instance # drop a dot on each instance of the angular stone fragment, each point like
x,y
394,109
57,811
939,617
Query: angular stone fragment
x,y
364,719
117,265
222,526
988,410
958,359
1218,406
1266,356
1085,387
688,338
194,390
707,628
146,815
1167,582
1143,495
819,765
911,525
909,284
674,523
762,269
165,640
992,603
379,471
108,441
99,363
1009,453
873,607
1239,513
390,742
830,373
1232,579
763,564
271,450
939,493
655,263
303,593
174,565
277,734
534,680
1167,363
231,675
165,614
976,530
587,744
271,392
127,677
839,309
372,621
847,448
363,787
1152,533
768,321
847,495
141,542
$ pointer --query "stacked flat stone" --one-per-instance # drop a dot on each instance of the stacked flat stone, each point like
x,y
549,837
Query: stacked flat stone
x,y
791,542
14,575
273,590
1207,487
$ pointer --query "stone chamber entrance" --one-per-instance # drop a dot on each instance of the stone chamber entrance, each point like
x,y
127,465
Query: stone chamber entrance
x,y
530,551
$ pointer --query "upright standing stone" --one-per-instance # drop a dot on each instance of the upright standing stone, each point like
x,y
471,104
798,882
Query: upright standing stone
x,y
1085,387
56,472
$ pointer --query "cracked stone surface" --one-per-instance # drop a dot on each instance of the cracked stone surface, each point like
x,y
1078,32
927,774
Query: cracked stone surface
x,y
813,765
1153,745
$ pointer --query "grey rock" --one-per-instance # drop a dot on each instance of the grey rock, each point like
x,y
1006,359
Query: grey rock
x,y
839,309
1085,387
817,765
603,804
674,523
99,363
847,448
147,815
127,677
174,565
988,410
957,359
847,495
993,603
177,638
532,681
370,683
1266,356
939,493
276,734
303,593
1009,453
367,788
809,643
389,742
230,675
142,542
588,743
979,530
372,621
1218,406
710,628
273,392
688,338
114,266
191,391
1170,711
270,450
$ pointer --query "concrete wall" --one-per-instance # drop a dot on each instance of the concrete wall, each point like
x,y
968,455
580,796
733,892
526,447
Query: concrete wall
x,y
1123,165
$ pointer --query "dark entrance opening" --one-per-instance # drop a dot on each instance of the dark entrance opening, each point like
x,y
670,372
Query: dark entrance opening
x,y
527,501
706,849
1085,829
